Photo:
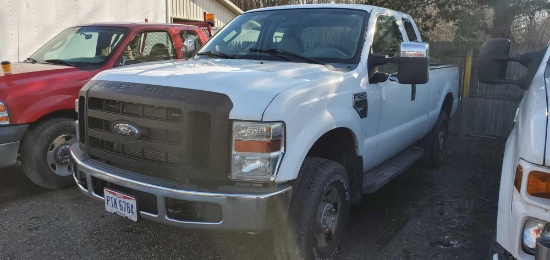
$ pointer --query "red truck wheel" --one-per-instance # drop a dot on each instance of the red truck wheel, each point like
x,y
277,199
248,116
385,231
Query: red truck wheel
x,y
45,153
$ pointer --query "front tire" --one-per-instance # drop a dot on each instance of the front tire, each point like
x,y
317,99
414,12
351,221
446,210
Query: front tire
x,y
318,213
45,153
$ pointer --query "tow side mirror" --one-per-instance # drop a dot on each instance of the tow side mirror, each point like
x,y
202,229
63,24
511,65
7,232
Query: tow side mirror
x,y
493,60
492,63
413,64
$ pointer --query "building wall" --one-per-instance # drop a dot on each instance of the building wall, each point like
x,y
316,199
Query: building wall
x,y
26,25
193,10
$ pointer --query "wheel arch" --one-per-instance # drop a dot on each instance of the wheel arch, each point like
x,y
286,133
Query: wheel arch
x,y
448,104
63,113
341,145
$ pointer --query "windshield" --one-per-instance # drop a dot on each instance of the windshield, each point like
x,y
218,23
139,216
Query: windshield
x,y
81,46
320,35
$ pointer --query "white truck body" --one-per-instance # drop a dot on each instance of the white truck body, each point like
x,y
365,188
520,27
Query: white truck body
x,y
312,95
526,148
303,103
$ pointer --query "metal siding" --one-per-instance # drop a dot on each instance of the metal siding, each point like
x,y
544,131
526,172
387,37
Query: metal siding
x,y
193,10
34,22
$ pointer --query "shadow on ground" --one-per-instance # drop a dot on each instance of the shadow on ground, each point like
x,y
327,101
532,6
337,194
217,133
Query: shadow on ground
x,y
448,213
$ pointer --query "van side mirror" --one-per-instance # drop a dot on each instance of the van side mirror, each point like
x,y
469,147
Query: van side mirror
x,y
493,60
413,63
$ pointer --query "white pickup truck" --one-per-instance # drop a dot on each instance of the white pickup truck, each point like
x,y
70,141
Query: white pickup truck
x,y
523,222
281,121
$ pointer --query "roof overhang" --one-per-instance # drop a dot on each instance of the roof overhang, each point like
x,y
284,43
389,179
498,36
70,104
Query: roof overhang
x,y
231,7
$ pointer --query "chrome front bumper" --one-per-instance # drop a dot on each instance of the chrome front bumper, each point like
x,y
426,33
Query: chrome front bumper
x,y
241,211
10,137
8,153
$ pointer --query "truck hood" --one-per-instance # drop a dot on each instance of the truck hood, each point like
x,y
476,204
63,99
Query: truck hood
x,y
23,67
250,84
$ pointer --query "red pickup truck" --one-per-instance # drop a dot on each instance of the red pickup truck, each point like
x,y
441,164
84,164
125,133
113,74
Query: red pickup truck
x,y
37,99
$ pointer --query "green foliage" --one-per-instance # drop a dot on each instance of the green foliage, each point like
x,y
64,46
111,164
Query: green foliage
x,y
468,15
473,19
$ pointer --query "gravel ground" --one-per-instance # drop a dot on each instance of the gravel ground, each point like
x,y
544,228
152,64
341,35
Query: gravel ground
x,y
447,213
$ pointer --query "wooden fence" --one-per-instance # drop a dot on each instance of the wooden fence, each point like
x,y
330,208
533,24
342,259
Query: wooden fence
x,y
490,108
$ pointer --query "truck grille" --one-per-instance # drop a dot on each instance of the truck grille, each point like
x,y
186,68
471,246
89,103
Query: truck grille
x,y
136,152
135,109
184,134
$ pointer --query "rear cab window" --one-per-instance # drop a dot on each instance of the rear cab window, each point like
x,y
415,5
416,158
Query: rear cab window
x,y
191,42
409,28
147,46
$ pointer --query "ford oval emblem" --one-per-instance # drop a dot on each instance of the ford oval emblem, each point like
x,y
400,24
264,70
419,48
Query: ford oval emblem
x,y
126,131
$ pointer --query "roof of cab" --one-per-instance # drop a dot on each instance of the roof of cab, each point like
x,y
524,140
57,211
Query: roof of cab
x,y
367,8
139,25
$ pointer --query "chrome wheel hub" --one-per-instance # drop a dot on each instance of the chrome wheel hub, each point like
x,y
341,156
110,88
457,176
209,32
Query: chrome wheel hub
x,y
326,221
58,157
327,217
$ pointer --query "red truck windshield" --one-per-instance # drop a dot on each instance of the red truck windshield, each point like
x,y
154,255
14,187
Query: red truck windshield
x,y
81,47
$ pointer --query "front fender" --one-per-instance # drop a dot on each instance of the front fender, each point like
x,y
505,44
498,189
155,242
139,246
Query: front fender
x,y
46,106
504,237
307,119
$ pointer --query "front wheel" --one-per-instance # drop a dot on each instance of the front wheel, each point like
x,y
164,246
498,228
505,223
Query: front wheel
x,y
45,153
318,213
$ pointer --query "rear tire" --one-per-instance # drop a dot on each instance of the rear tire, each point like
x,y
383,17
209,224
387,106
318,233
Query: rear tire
x,y
45,153
318,213
435,143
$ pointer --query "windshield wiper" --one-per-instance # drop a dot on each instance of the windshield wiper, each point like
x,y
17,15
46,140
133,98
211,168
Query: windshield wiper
x,y
33,61
60,62
217,54
278,52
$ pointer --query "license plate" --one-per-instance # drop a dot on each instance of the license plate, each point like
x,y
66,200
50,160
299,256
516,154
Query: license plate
x,y
120,204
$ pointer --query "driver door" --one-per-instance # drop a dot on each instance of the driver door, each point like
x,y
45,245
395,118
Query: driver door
x,y
396,105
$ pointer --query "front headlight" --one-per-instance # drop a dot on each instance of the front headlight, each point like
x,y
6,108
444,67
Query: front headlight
x,y
258,149
533,229
4,114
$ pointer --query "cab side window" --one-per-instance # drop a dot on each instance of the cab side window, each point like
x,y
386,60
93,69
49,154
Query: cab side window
x,y
411,33
191,43
387,41
149,46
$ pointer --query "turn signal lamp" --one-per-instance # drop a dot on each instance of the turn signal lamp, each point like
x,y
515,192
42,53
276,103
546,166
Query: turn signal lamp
x,y
518,178
538,184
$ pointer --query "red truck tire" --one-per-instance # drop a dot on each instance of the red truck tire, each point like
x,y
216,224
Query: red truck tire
x,y
45,153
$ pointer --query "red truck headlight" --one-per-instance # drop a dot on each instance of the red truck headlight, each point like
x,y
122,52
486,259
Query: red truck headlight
x,y
4,114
